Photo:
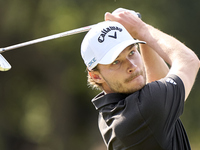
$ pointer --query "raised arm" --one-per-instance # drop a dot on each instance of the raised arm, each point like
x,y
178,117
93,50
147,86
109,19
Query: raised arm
x,y
184,63
155,66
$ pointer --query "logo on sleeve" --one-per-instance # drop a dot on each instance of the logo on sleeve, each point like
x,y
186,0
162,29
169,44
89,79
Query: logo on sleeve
x,y
171,81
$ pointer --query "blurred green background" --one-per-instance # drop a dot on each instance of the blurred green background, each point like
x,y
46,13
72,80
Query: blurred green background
x,y
45,102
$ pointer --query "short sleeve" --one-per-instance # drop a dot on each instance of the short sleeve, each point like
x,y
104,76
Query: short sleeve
x,y
161,104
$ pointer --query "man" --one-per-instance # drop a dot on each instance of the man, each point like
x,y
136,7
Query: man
x,y
142,99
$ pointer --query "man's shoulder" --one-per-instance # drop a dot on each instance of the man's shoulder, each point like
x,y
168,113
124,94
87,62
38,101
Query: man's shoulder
x,y
171,81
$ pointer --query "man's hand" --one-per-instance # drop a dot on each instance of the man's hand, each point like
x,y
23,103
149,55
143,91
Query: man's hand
x,y
134,25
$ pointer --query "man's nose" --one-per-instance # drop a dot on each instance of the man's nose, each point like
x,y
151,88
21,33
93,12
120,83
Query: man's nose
x,y
131,66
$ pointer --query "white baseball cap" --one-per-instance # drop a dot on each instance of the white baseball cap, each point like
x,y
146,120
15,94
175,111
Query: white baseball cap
x,y
104,42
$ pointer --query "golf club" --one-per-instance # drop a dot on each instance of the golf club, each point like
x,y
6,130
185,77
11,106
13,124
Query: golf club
x,y
4,65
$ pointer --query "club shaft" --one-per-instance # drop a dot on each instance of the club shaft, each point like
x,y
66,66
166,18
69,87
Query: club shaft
x,y
51,37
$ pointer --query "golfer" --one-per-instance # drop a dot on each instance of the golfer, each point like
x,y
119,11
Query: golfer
x,y
142,99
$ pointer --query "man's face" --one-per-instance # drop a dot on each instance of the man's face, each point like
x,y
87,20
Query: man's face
x,y
126,74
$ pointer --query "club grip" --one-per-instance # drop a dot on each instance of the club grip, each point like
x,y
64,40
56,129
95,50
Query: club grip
x,y
139,15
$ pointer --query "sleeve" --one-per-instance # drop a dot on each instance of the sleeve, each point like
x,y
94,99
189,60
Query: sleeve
x,y
161,104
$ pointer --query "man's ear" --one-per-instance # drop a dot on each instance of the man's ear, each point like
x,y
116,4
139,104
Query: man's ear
x,y
96,76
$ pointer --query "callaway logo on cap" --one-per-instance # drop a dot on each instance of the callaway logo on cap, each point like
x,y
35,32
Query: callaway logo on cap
x,y
107,30
104,42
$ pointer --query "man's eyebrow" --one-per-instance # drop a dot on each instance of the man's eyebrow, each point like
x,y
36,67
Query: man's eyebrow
x,y
131,46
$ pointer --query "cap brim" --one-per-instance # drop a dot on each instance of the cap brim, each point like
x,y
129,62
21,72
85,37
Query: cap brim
x,y
112,54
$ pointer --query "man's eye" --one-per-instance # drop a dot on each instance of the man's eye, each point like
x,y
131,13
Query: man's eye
x,y
115,62
132,53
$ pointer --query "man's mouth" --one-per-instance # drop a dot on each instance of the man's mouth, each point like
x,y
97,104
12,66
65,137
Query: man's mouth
x,y
133,76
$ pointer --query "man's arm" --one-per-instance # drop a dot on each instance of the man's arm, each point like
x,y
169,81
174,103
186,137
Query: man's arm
x,y
155,66
184,63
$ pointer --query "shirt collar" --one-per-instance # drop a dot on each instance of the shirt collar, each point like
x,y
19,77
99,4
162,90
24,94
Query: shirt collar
x,y
103,99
